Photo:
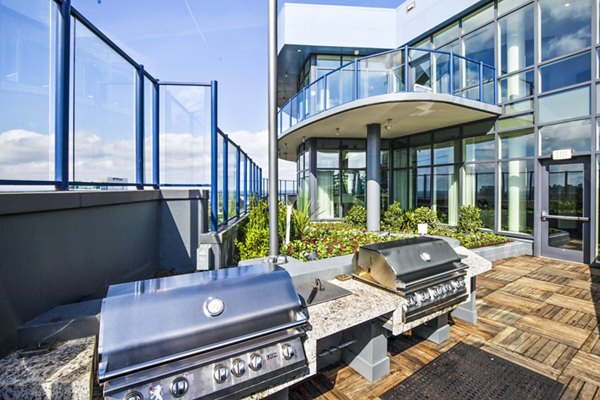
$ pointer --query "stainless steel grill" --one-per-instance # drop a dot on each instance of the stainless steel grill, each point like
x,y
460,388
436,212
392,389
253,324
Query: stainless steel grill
x,y
215,334
424,270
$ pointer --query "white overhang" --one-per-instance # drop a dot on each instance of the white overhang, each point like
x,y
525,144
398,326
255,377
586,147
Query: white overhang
x,y
409,113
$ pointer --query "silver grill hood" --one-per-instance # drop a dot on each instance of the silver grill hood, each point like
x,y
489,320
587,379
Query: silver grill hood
x,y
152,322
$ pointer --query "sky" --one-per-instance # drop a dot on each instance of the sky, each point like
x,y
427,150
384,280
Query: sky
x,y
202,40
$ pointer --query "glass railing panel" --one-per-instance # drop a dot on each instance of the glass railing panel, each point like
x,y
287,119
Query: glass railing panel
x,y
441,68
334,90
148,114
231,179
184,134
420,75
320,95
103,137
471,86
26,97
221,181
347,82
296,110
311,99
285,113
381,74
489,86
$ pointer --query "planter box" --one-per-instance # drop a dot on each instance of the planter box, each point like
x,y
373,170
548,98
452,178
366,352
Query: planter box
x,y
506,250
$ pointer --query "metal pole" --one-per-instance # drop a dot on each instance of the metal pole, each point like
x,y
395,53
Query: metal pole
x,y
245,182
61,117
139,129
214,157
273,173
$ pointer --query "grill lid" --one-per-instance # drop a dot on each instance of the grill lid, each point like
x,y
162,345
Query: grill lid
x,y
158,320
401,262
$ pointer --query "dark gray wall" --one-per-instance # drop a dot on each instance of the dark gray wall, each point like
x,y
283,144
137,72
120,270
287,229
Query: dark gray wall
x,y
60,248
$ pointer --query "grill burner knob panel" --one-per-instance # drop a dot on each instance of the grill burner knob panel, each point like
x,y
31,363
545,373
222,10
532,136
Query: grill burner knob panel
x,y
179,387
256,361
239,367
288,351
221,373
133,396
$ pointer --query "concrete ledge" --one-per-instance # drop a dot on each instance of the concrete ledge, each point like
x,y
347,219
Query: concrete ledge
x,y
511,249
64,373
22,203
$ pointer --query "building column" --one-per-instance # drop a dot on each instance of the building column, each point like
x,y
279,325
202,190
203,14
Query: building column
x,y
373,177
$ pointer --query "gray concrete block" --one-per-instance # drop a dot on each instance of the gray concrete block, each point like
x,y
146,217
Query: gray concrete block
x,y
67,322
436,330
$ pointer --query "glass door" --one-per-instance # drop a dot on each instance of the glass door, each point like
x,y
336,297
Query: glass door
x,y
565,209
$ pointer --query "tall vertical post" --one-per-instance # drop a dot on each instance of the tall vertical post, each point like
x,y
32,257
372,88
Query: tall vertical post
x,y
214,158
139,129
225,179
245,182
273,172
406,72
480,81
451,74
61,118
237,181
155,138
373,177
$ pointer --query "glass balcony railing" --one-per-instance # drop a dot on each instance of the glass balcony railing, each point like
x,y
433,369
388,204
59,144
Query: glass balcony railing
x,y
402,70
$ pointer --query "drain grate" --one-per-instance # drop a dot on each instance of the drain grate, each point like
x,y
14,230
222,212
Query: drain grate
x,y
466,372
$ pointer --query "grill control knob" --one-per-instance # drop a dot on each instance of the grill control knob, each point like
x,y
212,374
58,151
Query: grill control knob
x,y
179,387
221,373
256,361
455,284
133,396
239,367
288,351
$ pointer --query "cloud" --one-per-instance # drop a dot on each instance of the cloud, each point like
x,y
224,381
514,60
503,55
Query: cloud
x,y
256,145
185,157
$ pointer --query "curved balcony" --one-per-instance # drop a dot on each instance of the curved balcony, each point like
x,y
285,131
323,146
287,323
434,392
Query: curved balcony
x,y
418,89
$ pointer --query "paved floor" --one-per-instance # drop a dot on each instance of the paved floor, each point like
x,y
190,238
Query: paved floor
x,y
540,313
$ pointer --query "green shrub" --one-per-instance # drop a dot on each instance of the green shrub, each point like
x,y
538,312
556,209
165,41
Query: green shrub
x,y
421,215
300,219
356,216
255,234
393,217
469,220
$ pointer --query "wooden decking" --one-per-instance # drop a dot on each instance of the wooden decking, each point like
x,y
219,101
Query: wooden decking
x,y
540,313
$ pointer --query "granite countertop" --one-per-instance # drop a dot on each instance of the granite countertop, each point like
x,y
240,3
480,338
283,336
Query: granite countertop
x,y
67,372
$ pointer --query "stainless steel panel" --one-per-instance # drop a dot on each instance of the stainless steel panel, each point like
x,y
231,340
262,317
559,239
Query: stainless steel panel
x,y
147,322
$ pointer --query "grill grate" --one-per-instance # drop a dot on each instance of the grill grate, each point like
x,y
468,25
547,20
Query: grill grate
x,y
466,372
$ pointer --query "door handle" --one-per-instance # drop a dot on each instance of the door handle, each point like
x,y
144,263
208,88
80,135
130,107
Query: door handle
x,y
545,216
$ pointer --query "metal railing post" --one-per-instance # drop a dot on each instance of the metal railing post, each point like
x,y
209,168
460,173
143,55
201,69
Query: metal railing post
x,y
214,154
237,182
139,129
61,111
495,87
225,179
155,137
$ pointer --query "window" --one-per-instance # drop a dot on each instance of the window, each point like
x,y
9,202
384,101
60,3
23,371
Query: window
x,y
479,185
479,45
479,148
517,144
517,199
566,26
446,35
576,135
569,104
567,72
517,86
508,5
516,40
478,18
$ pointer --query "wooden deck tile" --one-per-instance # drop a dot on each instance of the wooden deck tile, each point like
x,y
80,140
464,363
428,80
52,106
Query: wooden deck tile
x,y
571,336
